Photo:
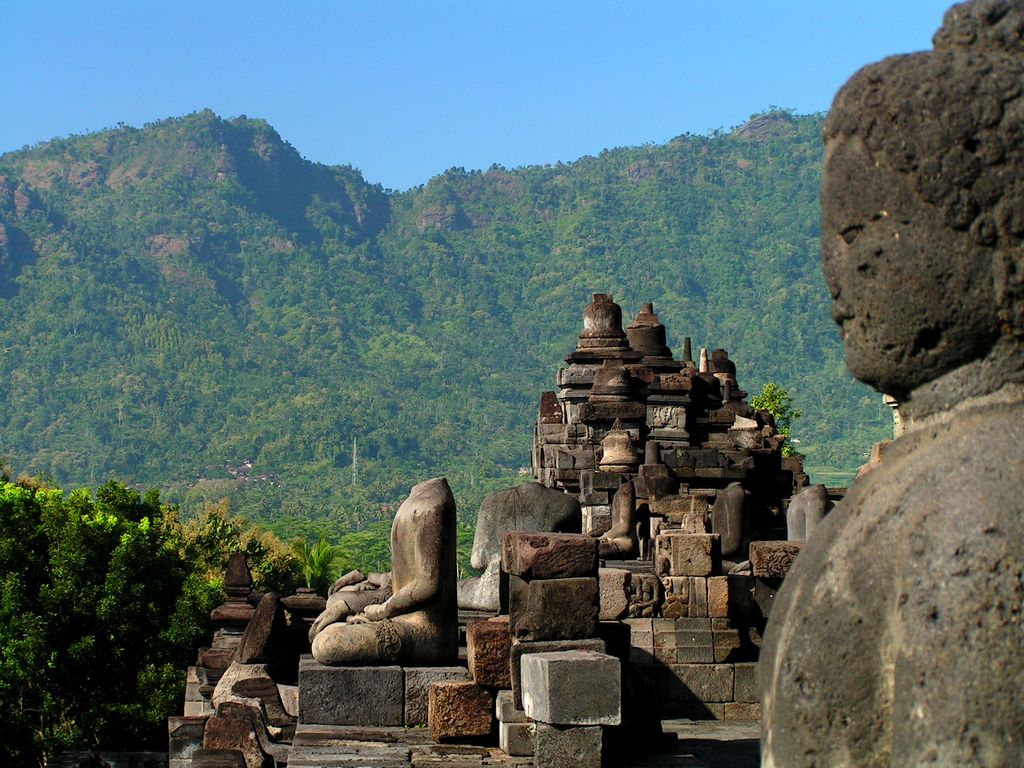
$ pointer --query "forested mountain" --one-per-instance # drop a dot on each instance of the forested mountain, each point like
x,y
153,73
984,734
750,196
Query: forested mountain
x,y
193,306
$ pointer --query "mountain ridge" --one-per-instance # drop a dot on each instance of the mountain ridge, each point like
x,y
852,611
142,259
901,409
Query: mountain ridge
x,y
195,294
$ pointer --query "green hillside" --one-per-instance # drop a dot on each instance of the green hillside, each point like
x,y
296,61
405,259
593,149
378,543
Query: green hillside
x,y
182,301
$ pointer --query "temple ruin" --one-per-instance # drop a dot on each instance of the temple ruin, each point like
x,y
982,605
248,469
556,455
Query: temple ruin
x,y
628,585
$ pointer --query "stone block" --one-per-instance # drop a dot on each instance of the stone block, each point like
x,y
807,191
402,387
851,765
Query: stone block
x,y
772,559
350,695
572,688
687,512
553,609
742,712
233,735
685,646
516,739
698,605
567,746
488,652
746,685
521,649
641,632
681,625
700,682
458,709
217,758
417,689
531,555
613,584
597,518
687,554
266,636
505,708
184,736
718,597
727,644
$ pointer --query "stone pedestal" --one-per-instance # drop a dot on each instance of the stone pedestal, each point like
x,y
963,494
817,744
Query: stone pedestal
x,y
371,696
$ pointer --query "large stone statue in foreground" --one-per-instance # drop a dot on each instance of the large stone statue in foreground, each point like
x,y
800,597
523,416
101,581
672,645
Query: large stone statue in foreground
x,y
418,622
898,637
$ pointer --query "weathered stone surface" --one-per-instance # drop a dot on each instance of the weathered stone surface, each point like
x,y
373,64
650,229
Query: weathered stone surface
x,y
553,609
896,637
252,681
418,624
520,649
232,734
218,758
698,605
727,644
700,682
526,507
458,709
350,695
718,597
572,688
505,708
684,646
548,555
482,593
727,519
805,511
185,736
516,739
688,512
773,559
620,541
417,689
613,584
746,683
645,594
687,554
742,712
489,651
567,746
266,636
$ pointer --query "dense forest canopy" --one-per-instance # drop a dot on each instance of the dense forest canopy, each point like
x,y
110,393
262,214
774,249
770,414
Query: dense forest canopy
x,y
194,306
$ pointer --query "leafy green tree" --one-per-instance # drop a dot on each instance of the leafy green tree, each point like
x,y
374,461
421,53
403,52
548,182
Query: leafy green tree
x,y
103,603
779,404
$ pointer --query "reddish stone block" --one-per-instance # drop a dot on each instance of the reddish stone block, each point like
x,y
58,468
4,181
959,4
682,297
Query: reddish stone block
x,y
531,555
718,597
458,709
488,652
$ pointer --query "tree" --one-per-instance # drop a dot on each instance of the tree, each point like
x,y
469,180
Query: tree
x,y
319,563
779,404
103,603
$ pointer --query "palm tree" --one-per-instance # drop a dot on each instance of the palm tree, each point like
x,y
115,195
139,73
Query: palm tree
x,y
319,563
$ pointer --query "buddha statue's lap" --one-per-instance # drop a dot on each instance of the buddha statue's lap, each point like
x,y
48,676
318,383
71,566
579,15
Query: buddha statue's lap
x,y
418,621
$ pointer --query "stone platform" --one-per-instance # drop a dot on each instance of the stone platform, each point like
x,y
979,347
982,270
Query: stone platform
x,y
689,744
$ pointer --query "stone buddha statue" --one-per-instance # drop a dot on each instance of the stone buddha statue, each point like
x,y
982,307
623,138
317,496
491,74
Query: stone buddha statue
x,y
417,623
898,637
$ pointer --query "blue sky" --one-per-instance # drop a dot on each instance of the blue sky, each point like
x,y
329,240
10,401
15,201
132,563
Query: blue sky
x,y
404,90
